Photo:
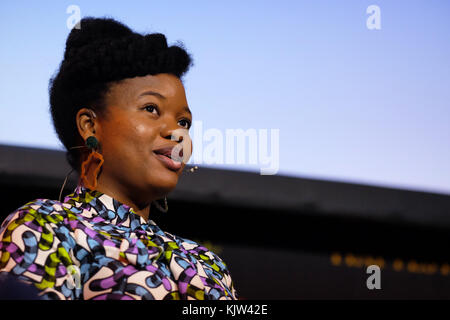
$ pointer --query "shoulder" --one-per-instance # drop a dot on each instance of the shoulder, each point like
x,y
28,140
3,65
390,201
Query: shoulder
x,y
42,211
207,254
204,252
35,245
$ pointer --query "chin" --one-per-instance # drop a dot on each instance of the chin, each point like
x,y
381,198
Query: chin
x,y
165,182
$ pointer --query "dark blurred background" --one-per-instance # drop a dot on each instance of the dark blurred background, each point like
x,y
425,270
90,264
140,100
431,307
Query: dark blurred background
x,y
283,237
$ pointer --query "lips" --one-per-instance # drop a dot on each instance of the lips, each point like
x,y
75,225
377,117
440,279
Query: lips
x,y
165,156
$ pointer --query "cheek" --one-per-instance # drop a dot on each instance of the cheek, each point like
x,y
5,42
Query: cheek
x,y
128,142
144,136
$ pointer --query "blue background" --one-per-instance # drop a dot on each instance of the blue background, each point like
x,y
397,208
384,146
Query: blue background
x,y
352,104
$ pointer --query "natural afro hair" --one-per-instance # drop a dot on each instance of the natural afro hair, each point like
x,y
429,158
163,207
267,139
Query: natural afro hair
x,y
101,52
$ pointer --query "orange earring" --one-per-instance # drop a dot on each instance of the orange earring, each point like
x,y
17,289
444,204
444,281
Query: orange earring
x,y
92,165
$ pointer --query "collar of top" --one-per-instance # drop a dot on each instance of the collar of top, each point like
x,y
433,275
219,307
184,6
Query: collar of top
x,y
102,206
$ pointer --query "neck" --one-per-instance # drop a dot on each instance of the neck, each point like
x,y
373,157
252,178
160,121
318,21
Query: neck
x,y
118,192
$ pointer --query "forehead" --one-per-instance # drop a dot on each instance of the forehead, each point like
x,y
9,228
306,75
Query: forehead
x,y
167,85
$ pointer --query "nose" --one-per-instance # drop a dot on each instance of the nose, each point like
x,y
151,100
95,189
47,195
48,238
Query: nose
x,y
173,137
168,132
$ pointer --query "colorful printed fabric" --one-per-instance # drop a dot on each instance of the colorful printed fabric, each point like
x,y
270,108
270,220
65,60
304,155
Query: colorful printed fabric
x,y
93,247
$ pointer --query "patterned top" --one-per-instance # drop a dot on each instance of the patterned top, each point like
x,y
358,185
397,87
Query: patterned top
x,y
91,246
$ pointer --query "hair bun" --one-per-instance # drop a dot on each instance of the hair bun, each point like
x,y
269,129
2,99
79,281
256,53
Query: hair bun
x,y
101,52
93,29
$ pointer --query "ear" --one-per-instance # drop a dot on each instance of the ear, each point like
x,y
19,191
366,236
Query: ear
x,y
87,123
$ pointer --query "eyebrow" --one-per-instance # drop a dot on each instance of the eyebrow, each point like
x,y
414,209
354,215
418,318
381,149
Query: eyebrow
x,y
154,93
187,110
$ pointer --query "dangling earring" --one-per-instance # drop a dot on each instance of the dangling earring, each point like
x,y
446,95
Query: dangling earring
x,y
91,166
160,208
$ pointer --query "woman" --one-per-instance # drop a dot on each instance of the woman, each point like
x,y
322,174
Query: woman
x,y
119,107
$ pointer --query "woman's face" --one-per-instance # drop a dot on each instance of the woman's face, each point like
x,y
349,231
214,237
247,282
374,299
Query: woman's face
x,y
141,115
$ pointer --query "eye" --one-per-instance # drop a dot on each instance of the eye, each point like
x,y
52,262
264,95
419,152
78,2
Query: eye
x,y
151,108
185,123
